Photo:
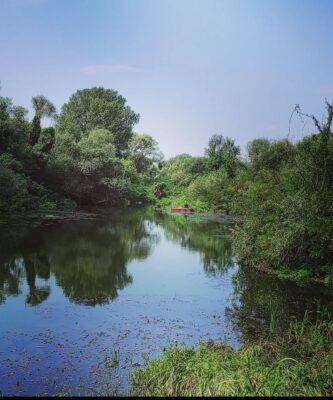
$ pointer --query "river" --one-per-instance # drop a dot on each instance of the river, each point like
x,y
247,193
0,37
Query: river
x,y
82,303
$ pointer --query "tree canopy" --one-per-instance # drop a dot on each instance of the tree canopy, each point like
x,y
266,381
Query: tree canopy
x,y
282,190
98,108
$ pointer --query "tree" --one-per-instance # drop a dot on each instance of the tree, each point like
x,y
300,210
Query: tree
x,y
98,108
222,153
96,150
315,154
43,108
183,169
143,151
266,154
288,206
45,142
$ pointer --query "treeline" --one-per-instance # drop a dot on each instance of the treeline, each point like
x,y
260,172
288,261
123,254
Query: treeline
x,y
283,190
91,156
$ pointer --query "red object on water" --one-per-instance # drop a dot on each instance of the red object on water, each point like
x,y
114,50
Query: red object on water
x,y
182,210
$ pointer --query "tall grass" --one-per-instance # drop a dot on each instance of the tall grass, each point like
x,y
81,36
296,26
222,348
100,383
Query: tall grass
x,y
297,363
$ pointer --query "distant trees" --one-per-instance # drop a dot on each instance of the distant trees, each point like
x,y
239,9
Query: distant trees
x,y
204,182
183,169
222,153
283,190
266,154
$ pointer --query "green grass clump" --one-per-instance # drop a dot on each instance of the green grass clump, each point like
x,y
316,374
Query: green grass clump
x,y
299,275
298,364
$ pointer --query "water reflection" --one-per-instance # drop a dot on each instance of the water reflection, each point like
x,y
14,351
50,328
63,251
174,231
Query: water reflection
x,y
88,259
264,304
10,277
211,239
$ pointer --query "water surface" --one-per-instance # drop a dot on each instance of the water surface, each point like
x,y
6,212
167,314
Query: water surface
x,y
82,303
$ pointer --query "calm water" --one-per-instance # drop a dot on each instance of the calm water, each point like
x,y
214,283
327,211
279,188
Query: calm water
x,y
82,303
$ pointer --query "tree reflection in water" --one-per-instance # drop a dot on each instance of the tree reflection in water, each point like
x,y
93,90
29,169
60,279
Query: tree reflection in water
x,y
211,239
88,259
264,304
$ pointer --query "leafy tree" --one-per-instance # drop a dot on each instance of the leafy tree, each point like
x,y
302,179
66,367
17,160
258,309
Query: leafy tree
x,y
143,151
183,169
43,108
45,142
96,149
215,189
289,210
98,108
13,129
222,153
270,155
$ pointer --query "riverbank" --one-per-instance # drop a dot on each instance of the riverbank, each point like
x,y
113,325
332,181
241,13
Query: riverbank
x,y
42,217
298,363
203,215
300,276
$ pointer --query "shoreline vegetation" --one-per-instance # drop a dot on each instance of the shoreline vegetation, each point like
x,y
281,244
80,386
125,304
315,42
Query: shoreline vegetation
x,y
91,157
297,362
281,191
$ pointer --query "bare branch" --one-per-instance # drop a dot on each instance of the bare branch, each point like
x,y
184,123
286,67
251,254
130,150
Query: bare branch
x,y
314,119
329,108
291,116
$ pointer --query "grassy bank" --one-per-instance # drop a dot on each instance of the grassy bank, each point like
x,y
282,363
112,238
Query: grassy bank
x,y
301,277
300,363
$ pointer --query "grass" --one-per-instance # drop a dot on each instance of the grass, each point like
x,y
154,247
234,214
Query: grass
x,y
298,276
298,363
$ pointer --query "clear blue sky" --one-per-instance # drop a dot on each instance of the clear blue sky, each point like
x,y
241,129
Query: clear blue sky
x,y
191,68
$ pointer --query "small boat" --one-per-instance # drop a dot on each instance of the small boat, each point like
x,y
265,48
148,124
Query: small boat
x,y
182,210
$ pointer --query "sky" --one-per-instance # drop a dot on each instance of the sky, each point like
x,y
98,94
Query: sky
x,y
190,68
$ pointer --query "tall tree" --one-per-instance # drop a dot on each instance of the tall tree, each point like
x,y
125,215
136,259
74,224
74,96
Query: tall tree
x,y
98,108
43,108
222,153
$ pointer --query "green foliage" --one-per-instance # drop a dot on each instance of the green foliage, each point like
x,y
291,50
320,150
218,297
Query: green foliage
x,y
297,363
43,108
288,206
23,165
301,275
264,154
222,153
284,191
98,108
183,169
14,190
96,158
95,150
91,173
214,189
143,152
